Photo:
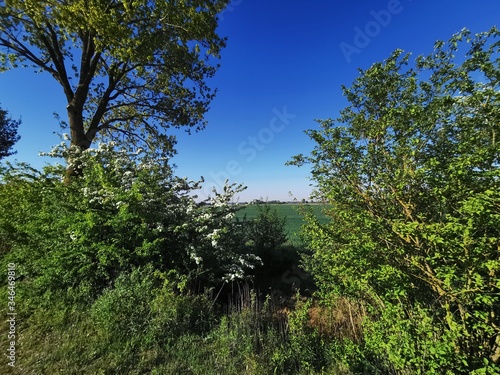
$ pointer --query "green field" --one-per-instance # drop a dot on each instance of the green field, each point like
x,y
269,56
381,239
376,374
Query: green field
x,y
294,219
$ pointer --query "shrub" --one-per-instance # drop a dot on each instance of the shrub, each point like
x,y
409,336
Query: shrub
x,y
411,172
127,210
268,230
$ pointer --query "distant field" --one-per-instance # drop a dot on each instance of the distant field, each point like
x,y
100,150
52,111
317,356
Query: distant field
x,y
294,220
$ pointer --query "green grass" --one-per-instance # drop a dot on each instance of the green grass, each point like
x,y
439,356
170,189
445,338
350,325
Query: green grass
x,y
294,219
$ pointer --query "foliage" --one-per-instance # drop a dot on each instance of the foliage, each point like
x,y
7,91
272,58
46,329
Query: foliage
x,y
268,230
411,171
8,134
126,211
292,213
142,309
302,352
127,68
114,270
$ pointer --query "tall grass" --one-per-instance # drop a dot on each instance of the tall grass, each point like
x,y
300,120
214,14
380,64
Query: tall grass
x,y
139,328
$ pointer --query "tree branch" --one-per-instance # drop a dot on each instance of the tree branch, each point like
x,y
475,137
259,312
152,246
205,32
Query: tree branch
x,y
23,51
58,60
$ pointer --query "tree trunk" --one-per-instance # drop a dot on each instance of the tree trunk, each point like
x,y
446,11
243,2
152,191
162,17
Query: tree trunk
x,y
78,138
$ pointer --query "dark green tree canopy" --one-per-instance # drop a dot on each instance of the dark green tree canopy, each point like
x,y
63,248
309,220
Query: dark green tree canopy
x,y
128,69
8,134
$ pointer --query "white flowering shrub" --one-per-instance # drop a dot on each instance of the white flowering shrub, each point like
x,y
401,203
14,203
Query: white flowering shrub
x,y
126,210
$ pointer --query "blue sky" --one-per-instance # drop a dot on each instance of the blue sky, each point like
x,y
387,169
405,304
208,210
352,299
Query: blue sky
x,y
283,67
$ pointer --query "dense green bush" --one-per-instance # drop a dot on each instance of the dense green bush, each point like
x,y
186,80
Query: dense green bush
x,y
266,235
122,253
411,172
268,230
126,211
143,304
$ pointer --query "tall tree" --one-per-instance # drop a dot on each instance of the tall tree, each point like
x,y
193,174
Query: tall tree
x,y
8,134
128,69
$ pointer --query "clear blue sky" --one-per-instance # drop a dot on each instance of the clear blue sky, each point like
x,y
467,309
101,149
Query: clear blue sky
x,y
283,68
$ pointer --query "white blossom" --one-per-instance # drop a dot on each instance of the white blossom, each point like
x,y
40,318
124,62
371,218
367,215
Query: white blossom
x,y
206,216
214,237
196,258
233,276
